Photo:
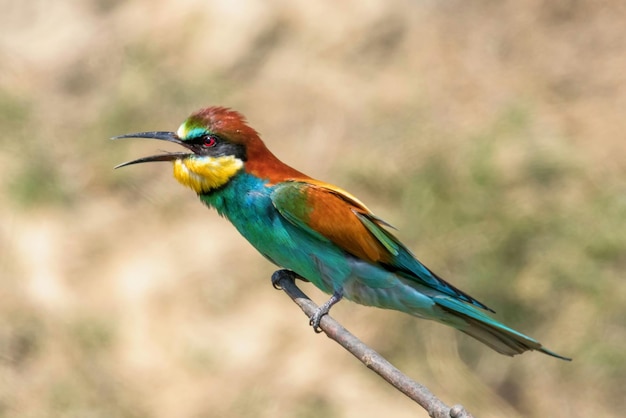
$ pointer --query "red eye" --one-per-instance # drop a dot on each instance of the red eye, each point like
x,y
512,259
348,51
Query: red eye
x,y
209,141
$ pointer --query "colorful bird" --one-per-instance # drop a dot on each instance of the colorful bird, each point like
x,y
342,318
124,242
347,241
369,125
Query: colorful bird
x,y
317,230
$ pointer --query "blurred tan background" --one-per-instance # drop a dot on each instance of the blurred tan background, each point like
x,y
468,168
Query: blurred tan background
x,y
490,133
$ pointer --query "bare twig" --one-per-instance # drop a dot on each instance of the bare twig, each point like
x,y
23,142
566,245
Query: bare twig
x,y
285,280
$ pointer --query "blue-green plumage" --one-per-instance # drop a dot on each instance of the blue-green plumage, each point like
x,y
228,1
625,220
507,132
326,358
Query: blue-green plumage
x,y
251,203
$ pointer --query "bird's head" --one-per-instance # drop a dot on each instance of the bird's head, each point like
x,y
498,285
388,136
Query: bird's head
x,y
220,144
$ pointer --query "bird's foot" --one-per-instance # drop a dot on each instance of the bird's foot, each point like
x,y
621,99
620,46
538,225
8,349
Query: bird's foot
x,y
280,275
284,274
316,318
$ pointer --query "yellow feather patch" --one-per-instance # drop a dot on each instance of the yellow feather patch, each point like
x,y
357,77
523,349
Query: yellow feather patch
x,y
203,174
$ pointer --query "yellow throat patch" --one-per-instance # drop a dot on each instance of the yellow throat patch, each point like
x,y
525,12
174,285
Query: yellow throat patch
x,y
203,174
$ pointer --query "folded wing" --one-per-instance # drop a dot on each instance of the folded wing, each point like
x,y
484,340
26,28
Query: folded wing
x,y
334,215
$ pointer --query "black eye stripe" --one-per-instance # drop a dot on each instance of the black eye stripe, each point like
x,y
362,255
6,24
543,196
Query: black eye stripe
x,y
214,145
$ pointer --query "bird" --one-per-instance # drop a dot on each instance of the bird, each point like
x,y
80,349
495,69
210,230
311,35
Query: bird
x,y
318,231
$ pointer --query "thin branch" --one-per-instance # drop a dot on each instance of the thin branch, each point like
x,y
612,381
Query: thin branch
x,y
285,280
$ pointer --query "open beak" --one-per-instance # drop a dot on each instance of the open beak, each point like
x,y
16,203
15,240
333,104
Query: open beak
x,y
162,136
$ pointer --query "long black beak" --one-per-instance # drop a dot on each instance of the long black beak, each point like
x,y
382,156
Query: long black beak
x,y
162,136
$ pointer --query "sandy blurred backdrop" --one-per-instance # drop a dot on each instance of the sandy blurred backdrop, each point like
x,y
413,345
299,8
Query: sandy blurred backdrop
x,y
490,133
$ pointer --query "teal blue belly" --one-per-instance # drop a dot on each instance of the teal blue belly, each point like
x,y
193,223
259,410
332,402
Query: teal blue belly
x,y
246,202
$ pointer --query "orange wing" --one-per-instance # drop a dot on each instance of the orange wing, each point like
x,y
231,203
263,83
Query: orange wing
x,y
327,211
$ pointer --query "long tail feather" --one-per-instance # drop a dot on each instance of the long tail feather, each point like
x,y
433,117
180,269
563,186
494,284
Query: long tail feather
x,y
487,330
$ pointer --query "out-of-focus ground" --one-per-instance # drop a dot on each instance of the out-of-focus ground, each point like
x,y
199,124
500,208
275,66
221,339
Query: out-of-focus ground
x,y
490,133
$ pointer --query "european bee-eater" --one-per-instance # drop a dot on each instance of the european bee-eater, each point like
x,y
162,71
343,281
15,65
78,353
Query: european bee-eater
x,y
317,230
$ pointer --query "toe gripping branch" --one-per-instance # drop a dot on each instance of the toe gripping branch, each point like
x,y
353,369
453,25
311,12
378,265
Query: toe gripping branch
x,y
314,320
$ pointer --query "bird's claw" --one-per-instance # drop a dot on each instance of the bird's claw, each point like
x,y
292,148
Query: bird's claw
x,y
284,274
280,275
316,318
276,279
